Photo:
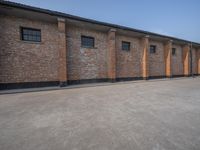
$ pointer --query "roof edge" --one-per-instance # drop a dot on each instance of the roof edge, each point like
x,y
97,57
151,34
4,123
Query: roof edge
x,y
65,15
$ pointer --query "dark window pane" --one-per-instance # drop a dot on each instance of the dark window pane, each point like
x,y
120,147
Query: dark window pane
x,y
38,38
38,33
25,37
152,49
34,38
87,41
173,51
25,31
30,37
126,46
31,34
34,33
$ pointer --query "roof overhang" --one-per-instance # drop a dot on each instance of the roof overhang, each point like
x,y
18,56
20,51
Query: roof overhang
x,y
29,12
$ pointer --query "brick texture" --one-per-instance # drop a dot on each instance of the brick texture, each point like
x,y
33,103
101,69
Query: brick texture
x,y
128,62
22,61
145,57
198,61
194,61
177,61
86,63
157,61
111,58
62,52
168,58
186,60
60,56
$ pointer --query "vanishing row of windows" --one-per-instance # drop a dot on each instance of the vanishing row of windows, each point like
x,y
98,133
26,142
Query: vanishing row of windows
x,y
153,50
34,35
126,46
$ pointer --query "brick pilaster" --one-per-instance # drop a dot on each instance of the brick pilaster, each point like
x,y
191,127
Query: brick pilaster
x,y
111,55
198,61
62,52
186,59
168,59
145,57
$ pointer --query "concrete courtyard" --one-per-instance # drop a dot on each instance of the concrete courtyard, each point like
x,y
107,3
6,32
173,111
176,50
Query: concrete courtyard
x,y
145,115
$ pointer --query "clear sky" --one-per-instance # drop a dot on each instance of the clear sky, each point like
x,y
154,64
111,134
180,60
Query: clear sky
x,y
178,18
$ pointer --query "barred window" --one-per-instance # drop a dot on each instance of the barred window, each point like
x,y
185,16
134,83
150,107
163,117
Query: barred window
x,y
87,41
173,51
152,49
126,46
29,34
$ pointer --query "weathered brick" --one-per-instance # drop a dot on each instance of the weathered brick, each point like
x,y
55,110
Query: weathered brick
x,y
60,56
62,52
86,63
198,61
145,57
128,62
186,60
157,61
111,54
22,61
168,58
177,60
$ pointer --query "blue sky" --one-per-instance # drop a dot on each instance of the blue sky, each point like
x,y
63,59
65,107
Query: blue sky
x,y
178,18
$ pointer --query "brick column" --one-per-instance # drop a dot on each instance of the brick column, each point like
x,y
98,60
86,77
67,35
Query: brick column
x,y
111,55
186,59
62,52
145,57
198,61
168,59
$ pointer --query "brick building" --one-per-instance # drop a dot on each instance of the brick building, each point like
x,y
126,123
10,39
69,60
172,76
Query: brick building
x,y
40,47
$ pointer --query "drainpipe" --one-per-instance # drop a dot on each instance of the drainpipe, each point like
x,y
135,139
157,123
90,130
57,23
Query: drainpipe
x,y
191,71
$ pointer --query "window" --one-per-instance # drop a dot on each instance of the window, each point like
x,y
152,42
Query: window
x,y
152,49
126,46
173,51
87,41
28,34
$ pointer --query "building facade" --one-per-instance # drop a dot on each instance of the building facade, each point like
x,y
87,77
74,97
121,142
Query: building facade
x,y
41,48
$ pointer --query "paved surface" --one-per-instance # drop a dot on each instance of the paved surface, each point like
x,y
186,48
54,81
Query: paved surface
x,y
159,115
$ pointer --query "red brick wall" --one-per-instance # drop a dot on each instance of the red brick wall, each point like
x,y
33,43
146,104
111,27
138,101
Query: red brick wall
x,y
156,61
86,63
177,61
128,62
194,61
24,61
198,61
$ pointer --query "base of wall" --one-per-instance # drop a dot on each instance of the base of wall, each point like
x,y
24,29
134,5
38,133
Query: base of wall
x,y
156,77
85,81
145,78
177,76
7,86
63,83
191,75
129,79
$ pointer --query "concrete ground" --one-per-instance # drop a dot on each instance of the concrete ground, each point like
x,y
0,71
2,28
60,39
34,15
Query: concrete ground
x,y
151,115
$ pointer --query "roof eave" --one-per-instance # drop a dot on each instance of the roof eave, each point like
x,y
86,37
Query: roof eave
x,y
64,15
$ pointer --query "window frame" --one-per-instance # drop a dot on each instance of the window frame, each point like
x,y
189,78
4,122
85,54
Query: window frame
x,y
154,50
35,36
173,51
88,37
129,46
